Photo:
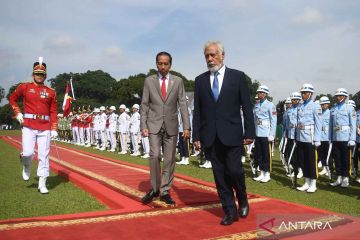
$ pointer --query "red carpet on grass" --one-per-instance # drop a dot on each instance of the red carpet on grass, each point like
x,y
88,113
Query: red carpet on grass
x,y
197,215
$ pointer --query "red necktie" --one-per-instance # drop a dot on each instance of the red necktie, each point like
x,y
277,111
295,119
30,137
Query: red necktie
x,y
163,88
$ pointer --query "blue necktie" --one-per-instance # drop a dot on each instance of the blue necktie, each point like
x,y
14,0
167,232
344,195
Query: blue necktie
x,y
215,87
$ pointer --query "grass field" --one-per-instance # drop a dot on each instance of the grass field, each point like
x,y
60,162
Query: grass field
x,y
341,200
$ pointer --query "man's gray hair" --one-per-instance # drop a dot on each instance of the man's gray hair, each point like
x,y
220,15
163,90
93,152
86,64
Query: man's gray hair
x,y
219,45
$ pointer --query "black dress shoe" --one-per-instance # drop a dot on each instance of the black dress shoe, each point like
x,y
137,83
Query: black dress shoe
x,y
149,196
228,219
244,210
167,199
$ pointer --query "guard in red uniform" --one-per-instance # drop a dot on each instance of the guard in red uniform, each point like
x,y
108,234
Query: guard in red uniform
x,y
39,122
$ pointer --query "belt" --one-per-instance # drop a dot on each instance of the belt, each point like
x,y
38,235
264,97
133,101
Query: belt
x,y
325,129
307,127
263,122
36,116
342,128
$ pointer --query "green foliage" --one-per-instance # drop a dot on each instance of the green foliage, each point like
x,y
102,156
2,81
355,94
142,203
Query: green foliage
x,y
2,93
356,98
90,88
6,116
253,86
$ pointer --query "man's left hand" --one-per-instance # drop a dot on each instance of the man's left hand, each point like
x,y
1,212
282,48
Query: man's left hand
x,y
186,134
248,141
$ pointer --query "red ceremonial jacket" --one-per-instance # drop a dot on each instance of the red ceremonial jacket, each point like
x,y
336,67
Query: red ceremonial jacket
x,y
38,100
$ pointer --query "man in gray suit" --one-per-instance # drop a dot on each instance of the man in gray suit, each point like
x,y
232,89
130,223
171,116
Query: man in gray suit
x,y
163,95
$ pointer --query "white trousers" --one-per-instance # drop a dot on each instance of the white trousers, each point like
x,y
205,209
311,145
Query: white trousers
x,y
146,144
87,135
123,141
81,135
113,139
135,141
42,138
75,132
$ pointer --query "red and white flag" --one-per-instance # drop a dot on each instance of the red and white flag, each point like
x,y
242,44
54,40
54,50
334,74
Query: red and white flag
x,y
67,102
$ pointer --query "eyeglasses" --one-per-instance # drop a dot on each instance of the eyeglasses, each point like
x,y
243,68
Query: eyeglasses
x,y
40,74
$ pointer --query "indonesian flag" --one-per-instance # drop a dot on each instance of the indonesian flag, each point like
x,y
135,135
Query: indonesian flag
x,y
67,102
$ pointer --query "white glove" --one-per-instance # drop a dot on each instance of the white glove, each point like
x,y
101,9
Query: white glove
x,y
351,143
270,138
53,134
317,144
20,118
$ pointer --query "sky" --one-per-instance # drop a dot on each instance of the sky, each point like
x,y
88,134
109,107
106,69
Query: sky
x,y
282,44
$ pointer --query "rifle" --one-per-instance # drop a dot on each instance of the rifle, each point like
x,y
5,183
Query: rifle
x,y
328,170
282,156
253,162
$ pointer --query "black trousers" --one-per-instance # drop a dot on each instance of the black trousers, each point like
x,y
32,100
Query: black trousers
x,y
183,146
323,152
342,158
229,174
294,159
306,154
356,159
262,151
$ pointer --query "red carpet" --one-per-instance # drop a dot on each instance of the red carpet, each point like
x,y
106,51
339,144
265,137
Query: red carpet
x,y
197,215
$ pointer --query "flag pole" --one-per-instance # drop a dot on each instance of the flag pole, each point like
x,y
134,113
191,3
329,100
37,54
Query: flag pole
x,y
72,89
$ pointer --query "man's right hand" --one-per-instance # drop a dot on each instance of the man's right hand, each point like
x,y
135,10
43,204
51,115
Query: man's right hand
x,y
20,118
197,145
145,132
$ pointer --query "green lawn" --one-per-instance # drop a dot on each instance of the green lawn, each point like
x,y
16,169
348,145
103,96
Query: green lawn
x,y
334,199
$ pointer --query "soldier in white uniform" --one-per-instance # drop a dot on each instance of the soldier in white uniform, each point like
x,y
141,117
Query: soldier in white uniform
x,y
265,121
135,129
123,129
102,127
113,117
325,133
343,136
308,134
96,123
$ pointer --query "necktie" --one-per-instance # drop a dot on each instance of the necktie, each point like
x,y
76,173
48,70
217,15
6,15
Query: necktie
x,y
215,87
163,88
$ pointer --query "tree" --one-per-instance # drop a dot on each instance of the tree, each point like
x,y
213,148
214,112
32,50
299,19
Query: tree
x,y
6,116
91,88
2,93
356,98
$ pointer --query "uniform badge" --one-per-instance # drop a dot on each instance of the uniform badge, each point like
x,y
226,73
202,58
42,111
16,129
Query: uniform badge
x,y
44,94
32,90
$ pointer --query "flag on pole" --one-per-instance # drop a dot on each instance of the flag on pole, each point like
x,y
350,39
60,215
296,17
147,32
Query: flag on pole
x,y
67,101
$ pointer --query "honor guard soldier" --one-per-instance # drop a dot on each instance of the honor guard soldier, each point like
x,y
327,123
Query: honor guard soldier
x,y
283,142
135,129
308,137
113,117
97,131
325,133
343,136
102,127
123,120
291,124
39,122
265,121
357,151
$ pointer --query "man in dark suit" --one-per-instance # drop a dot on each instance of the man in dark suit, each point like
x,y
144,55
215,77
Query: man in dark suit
x,y
220,93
